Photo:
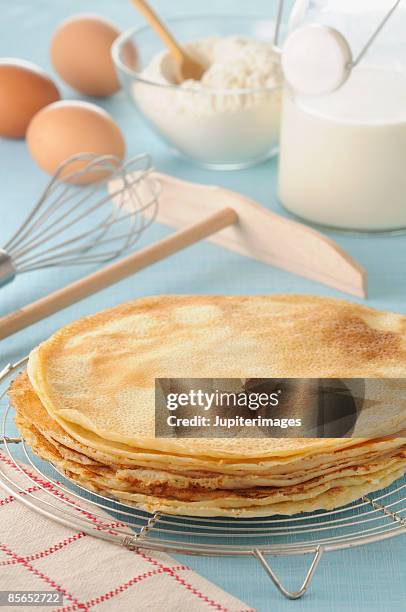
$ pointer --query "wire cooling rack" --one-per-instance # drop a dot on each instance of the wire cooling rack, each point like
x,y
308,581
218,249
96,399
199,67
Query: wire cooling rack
x,y
375,517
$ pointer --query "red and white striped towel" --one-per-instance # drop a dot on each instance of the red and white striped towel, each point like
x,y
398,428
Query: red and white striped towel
x,y
37,554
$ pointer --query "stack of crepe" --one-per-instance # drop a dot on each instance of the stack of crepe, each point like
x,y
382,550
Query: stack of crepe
x,y
86,403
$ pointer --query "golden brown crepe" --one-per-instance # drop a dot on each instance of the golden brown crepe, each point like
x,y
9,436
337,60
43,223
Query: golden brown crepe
x,y
36,425
163,492
96,377
88,405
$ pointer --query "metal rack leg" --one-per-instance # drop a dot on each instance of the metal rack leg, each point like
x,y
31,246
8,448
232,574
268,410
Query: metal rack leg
x,y
291,594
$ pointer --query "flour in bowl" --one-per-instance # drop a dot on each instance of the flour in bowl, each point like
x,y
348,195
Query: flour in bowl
x,y
229,117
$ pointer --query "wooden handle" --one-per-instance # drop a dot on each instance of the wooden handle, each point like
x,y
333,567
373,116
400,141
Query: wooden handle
x,y
115,272
162,31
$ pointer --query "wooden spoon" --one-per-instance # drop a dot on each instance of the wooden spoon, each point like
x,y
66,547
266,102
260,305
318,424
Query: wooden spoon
x,y
188,67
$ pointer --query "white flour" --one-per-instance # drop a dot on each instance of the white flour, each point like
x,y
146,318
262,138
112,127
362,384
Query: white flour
x,y
212,120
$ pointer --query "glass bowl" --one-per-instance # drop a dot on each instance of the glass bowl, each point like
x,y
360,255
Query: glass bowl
x,y
216,128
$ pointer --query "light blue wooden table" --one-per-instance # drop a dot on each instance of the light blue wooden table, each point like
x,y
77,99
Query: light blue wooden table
x,y
368,578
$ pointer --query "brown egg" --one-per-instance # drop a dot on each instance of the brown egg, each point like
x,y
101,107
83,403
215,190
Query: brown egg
x,y
24,90
68,128
81,55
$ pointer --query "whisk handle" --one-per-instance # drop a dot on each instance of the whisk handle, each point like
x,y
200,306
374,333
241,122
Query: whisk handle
x,y
62,298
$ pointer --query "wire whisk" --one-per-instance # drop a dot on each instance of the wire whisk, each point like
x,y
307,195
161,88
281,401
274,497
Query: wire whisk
x,y
75,224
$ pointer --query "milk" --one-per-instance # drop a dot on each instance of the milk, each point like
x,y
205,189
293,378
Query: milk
x,y
343,156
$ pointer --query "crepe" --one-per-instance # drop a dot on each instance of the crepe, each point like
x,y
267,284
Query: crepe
x,y
96,377
332,498
28,404
316,493
87,403
36,422
342,477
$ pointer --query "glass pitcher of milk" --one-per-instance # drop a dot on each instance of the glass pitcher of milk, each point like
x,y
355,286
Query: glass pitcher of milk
x,y
343,137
